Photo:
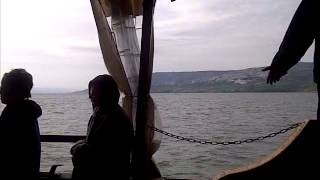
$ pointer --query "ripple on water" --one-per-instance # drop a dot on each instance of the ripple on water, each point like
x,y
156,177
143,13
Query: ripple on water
x,y
216,116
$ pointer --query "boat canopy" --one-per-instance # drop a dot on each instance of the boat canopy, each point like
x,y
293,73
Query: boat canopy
x,y
129,7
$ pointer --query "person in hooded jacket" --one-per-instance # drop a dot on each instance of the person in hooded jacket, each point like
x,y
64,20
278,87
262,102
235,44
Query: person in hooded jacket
x,y
106,150
19,131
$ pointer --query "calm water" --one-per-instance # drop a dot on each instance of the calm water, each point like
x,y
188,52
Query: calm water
x,y
218,117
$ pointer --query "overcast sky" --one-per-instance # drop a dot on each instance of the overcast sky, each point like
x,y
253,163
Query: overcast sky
x,y
57,40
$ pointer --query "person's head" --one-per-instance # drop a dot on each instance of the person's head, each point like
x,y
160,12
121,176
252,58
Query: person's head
x,y
15,86
103,91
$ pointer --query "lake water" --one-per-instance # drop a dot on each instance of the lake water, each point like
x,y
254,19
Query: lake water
x,y
214,116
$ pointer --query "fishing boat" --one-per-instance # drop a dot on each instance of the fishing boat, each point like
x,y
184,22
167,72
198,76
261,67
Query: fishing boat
x,y
131,65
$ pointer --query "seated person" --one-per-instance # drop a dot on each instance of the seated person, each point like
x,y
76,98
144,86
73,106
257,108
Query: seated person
x,y
19,130
105,153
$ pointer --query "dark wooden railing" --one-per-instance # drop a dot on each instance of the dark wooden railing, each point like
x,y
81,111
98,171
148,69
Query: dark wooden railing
x,y
61,138
58,139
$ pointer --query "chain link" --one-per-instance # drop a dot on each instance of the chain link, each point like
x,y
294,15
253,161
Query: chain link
x,y
249,140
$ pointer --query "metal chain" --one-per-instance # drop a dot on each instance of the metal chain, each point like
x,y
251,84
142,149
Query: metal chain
x,y
250,140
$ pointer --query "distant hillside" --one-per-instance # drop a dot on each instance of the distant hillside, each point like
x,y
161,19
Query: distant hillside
x,y
81,92
298,79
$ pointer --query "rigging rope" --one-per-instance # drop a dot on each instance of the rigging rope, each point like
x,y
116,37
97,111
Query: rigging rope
x,y
249,140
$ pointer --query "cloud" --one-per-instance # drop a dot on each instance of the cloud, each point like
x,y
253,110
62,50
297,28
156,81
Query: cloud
x,y
58,42
221,34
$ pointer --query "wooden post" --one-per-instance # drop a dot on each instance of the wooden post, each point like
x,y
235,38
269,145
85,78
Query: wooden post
x,y
141,157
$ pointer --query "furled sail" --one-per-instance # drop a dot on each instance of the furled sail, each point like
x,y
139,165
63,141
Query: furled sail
x,y
120,48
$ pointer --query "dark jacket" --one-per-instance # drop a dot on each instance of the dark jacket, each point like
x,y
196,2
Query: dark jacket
x,y
105,153
20,140
302,31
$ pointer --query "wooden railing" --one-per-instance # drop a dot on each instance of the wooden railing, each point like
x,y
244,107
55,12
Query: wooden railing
x,y
61,138
58,139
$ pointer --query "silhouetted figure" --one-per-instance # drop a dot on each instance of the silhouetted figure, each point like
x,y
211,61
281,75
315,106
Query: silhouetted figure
x,y
19,131
105,153
302,31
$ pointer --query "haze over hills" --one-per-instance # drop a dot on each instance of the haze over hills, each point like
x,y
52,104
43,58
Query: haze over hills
x,y
298,79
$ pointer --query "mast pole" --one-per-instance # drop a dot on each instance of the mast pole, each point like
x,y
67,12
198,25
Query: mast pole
x,y
141,157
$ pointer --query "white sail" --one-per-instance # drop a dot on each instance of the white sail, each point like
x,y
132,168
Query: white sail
x,y
109,50
121,53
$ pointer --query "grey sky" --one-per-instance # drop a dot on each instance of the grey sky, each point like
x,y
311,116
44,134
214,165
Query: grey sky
x,y
57,40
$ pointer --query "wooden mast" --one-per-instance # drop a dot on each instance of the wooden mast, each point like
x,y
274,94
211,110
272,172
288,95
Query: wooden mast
x,y
141,156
